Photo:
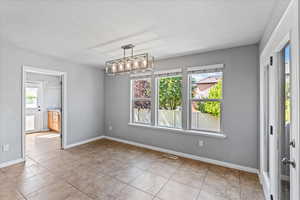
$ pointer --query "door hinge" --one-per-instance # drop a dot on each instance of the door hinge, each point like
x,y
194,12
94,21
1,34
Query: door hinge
x,y
271,130
271,61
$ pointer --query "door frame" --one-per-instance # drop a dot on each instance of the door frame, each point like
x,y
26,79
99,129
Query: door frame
x,y
274,188
287,27
64,112
264,129
41,102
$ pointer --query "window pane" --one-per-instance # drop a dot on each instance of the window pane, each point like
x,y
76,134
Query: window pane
x,y
170,102
207,85
287,85
29,122
31,97
141,88
142,111
206,115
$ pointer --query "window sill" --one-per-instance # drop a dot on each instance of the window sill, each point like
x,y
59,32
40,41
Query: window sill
x,y
187,132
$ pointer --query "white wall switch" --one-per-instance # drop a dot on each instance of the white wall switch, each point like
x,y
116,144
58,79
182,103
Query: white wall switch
x,y
110,127
5,147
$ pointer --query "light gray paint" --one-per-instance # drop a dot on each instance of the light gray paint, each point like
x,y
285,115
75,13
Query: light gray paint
x,y
240,114
85,97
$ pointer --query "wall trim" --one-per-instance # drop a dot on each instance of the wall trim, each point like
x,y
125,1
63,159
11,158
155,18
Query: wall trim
x,y
84,142
11,162
185,155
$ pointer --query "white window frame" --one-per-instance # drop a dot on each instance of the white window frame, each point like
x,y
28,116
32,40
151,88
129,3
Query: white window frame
x,y
199,70
132,100
184,72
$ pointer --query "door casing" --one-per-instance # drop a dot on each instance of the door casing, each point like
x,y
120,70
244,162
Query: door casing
x,y
64,112
276,121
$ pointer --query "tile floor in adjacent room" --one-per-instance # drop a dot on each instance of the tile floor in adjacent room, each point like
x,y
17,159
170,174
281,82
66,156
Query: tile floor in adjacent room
x,y
107,170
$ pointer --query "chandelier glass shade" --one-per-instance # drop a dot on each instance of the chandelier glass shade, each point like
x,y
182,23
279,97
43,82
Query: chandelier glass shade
x,y
129,64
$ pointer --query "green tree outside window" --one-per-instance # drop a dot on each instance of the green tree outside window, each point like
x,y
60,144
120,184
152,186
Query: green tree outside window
x,y
212,107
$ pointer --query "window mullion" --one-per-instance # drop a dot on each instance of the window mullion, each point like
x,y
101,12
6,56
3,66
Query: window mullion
x,y
190,100
185,99
153,100
131,102
142,99
207,100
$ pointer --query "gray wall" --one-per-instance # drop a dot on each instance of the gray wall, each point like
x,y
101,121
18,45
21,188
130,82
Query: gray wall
x,y
240,114
85,97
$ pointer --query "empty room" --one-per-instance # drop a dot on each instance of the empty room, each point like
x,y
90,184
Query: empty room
x,y
149,100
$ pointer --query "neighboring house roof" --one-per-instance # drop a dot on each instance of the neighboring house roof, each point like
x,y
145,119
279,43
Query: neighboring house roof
x,y
212,79
207,83
203,87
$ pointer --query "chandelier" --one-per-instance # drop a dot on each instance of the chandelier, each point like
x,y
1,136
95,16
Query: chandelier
x,y
129,64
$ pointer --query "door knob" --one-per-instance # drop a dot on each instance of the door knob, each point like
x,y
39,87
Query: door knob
x,y
286,161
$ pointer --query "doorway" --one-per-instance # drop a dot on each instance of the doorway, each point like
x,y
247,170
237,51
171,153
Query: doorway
x,y
43,111
33,103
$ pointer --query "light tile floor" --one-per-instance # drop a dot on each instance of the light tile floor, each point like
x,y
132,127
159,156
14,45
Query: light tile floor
x,y
107,170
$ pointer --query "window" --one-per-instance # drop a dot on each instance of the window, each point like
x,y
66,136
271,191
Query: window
x,y
31,96
169,102
206,100
189,101
141,100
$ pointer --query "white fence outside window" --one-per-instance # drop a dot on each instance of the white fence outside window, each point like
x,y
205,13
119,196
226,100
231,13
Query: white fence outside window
x,y
172,118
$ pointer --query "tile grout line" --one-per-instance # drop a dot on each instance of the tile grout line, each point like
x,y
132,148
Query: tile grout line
x,y
205,176
127,183
79,190
168,180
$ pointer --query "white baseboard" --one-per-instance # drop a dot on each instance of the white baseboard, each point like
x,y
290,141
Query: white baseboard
x,y
185,155
11,162
84,142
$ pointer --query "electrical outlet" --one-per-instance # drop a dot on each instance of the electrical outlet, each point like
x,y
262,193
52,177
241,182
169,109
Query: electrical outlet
x,y
200,143
5,147
110,127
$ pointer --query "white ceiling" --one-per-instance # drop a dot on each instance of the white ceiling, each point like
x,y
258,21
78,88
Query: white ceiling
x,y
92,31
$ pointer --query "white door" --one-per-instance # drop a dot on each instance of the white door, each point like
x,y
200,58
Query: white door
x,y
287,163
283,161
33,104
